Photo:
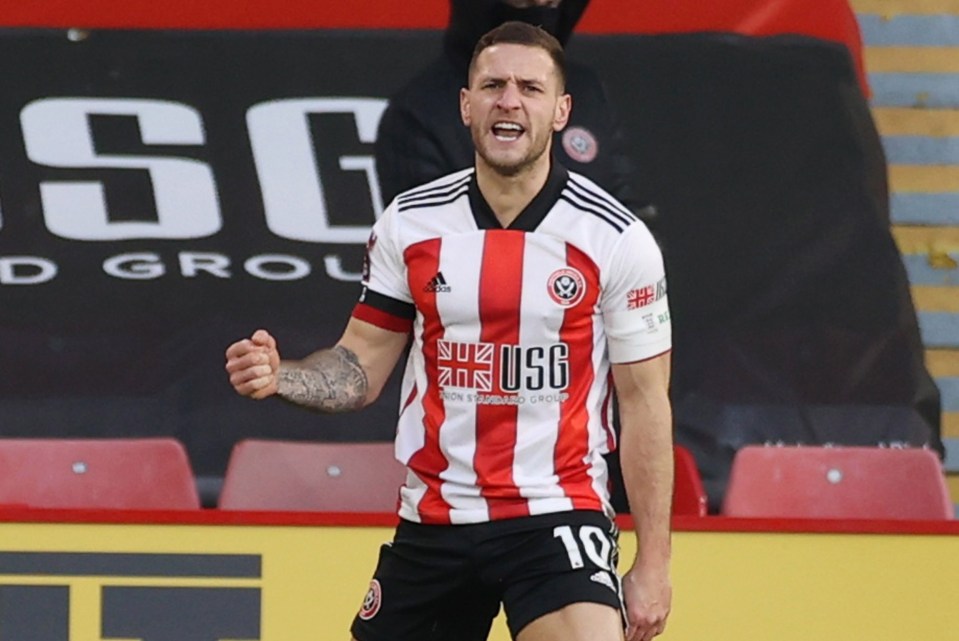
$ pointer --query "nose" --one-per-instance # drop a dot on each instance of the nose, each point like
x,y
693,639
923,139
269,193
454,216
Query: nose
x,y
509,97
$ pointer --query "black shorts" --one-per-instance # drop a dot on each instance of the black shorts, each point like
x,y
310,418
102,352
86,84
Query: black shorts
x,y
446,582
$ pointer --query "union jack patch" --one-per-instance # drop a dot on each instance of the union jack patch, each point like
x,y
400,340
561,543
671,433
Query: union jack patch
x,y
465,365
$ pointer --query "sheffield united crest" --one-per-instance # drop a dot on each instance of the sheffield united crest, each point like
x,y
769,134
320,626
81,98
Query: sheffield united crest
x,y
566,286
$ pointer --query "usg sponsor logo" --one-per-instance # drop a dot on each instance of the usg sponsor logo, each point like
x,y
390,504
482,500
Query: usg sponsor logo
x,y
185,201
485,367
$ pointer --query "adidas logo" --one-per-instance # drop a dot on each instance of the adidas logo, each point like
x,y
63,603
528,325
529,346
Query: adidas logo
x,y
603,578
437,284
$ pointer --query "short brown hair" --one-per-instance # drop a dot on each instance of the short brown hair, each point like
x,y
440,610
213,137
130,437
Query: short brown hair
x,y
522,33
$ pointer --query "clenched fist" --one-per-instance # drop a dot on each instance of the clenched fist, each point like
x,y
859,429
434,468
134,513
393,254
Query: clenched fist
x,y
253,364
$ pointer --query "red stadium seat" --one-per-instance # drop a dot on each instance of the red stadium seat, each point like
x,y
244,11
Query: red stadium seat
x,y
689,497
312,476
147,473
837,482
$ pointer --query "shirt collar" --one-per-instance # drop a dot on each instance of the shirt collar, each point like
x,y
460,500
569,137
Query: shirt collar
x,y
533,214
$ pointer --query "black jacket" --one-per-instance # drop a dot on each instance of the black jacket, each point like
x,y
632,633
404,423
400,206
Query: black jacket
x,y
421,135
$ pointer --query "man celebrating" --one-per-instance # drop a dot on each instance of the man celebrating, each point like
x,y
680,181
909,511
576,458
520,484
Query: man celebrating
x,y
526,289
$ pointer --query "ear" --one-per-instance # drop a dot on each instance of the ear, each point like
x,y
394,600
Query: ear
x,y
564,107
465,107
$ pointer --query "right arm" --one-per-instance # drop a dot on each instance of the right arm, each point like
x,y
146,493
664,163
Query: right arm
x,y
348,376
352,373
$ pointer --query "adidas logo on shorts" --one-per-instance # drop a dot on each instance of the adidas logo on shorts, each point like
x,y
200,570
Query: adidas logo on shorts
x,y
603,577
437,284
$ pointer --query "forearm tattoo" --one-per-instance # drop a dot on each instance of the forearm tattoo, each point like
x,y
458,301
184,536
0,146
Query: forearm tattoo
x,y
329,381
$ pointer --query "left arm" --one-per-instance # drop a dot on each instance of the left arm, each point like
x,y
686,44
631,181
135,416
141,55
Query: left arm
x,y
646,458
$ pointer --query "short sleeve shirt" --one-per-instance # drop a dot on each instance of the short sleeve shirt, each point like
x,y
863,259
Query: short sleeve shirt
x,y
506,397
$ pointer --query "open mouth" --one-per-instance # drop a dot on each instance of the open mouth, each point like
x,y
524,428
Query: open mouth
x,y
507,131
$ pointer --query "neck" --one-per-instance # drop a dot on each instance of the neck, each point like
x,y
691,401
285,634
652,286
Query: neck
x,y
508,196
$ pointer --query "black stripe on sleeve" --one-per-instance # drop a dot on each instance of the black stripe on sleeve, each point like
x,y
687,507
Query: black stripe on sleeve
x,y
389,305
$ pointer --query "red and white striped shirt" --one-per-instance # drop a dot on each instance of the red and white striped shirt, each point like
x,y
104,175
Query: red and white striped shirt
x,y
505,401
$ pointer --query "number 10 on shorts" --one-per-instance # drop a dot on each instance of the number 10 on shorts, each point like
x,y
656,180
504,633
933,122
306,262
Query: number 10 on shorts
x,y
592,541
